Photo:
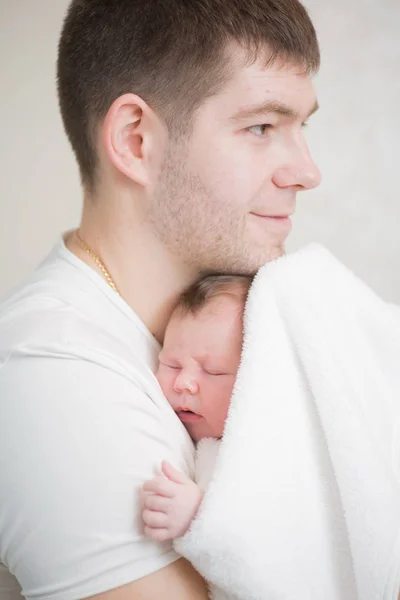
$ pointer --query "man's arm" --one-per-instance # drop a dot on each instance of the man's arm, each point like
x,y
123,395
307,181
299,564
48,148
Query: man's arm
x,y
178,581
77,442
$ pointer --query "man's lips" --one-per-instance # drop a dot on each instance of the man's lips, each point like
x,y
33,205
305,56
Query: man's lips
x,y
283,220
270,216
186,416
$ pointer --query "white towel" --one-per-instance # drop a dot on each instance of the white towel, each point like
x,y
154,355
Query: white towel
x,y
304,502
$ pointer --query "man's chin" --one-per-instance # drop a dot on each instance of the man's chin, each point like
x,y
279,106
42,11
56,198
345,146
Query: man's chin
x,y
278,252
246,261
273,253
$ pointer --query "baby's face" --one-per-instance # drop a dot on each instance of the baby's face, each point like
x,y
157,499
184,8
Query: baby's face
x,y
198,364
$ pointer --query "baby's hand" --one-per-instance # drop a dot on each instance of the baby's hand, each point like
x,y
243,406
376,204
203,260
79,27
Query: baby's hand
x,y
170,502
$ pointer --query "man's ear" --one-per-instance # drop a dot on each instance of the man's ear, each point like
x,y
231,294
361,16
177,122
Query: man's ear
x,y
131,138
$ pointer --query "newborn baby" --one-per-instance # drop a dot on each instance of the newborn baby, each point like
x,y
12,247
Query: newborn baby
x,y
197,371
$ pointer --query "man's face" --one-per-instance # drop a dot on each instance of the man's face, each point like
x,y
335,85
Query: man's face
x,y
225,194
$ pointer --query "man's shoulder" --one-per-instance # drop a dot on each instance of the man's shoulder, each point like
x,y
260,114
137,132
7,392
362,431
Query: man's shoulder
x,y
66,314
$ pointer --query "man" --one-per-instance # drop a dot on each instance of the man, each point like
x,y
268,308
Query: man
x,y
186,121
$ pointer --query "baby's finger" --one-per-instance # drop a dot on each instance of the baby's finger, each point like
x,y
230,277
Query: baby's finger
x,y
155,519
156,502
158,535
173,474
160,485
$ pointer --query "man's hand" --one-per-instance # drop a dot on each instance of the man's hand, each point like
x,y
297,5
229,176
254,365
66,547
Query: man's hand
x,y
170,503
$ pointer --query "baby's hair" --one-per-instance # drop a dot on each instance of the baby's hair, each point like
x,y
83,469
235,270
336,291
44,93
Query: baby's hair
x,y
208,287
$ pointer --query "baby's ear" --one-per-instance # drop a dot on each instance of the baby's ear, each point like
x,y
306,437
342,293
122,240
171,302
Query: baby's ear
x,y
172,474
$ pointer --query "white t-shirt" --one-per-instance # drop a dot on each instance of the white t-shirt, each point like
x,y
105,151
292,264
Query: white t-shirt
x,y
83,423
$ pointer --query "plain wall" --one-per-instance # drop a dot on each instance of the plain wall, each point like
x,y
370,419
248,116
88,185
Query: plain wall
x,y
354,139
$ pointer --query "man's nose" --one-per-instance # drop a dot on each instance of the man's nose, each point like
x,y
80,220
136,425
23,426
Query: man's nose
x,y
185,382
300,171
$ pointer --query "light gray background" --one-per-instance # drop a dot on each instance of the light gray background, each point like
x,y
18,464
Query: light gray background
x,y
354,138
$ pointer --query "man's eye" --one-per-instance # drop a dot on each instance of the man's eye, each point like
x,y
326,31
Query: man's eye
x,y
261,130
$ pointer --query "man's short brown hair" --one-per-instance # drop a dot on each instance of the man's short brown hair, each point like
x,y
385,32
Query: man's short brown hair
x,y
171,53
199,294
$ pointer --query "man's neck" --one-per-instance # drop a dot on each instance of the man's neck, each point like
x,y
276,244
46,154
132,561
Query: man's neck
x,y
148,278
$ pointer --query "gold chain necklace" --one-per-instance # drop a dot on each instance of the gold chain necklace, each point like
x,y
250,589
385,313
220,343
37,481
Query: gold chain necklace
x,y
98,262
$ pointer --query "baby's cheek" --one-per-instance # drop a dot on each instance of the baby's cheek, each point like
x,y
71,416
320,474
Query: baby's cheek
x,y
225,404
166,384
220,409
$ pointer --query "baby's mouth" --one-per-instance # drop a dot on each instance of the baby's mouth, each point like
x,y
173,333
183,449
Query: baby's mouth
x,y
187,416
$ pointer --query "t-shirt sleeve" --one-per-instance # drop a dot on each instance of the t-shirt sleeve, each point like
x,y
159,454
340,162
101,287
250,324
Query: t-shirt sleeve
x,y
77,441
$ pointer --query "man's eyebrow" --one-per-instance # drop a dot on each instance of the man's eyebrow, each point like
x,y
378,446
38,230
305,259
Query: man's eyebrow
x,y
271,106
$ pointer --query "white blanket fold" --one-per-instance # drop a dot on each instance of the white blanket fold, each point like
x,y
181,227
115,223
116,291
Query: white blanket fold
x,y
304,502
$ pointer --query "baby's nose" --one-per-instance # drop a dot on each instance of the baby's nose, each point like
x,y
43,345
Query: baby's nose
x,y
186,382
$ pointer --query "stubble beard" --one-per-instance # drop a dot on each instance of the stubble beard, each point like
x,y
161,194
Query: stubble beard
x,y
204,232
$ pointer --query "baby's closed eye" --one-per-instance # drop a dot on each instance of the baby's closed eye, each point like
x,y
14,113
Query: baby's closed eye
x,y
215,372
